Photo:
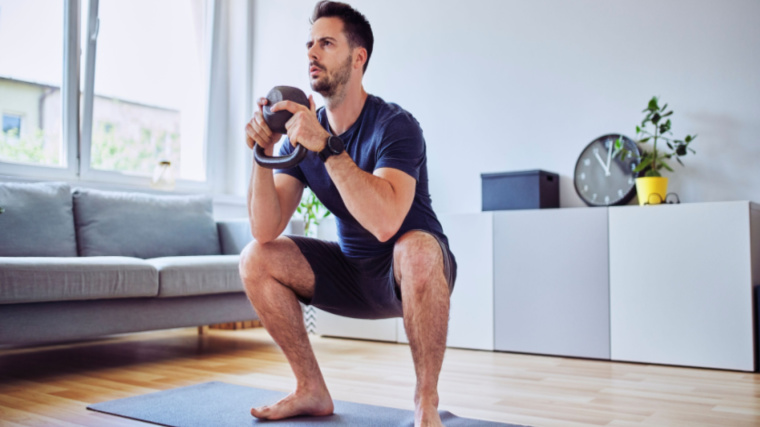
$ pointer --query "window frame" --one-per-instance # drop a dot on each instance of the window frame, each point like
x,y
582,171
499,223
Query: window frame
x,y
76,132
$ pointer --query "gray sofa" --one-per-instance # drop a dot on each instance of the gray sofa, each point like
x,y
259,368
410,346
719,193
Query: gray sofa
x,y
79,263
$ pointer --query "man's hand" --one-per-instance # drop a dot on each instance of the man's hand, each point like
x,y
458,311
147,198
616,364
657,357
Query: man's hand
x,y
257,131
303,128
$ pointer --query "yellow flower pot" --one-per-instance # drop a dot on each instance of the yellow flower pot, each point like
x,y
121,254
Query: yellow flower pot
x,y
651,189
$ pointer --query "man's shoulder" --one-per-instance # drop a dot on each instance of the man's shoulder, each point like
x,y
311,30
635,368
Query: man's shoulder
x,y
390,112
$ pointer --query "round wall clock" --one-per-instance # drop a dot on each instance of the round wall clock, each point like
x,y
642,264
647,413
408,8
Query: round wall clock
x,y
602,176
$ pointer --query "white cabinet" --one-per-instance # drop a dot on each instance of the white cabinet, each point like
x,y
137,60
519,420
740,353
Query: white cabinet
x,y
551,282
681,283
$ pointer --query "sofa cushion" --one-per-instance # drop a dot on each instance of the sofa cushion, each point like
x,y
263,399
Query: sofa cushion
x,y
38,220
32,279
140,225
197,275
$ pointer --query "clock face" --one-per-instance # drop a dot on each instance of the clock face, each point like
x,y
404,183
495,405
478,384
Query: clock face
x,y
602,176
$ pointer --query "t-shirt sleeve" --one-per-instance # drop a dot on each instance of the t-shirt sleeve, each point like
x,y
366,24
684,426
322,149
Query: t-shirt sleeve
x,y
285,149
402,146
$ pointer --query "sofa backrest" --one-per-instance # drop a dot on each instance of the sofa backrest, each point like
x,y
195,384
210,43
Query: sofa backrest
x,y
38,220
111,223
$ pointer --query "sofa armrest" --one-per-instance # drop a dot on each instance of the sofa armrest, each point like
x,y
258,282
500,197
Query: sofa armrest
x,y
234,234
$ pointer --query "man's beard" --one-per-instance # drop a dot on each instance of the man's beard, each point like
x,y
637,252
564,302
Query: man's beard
x,y
329,84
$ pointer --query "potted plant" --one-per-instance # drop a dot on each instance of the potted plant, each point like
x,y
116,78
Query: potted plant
x,y
652,161
312,211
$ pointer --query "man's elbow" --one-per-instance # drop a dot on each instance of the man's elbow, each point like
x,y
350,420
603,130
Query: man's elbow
x,y
261,236
383,234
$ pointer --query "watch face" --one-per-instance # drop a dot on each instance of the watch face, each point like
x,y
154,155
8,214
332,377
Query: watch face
x,y
603,177
335,144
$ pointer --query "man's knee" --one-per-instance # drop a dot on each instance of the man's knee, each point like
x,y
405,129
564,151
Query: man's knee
x,y
254,262
418,259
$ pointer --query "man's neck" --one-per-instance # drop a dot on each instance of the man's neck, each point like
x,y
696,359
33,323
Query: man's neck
x,y
344,113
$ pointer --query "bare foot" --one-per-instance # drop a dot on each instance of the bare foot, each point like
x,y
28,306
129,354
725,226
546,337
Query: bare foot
x,y
297,403
427,416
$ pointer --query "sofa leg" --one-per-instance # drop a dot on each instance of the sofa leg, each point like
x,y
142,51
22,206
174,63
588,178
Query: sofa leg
x,y
202,330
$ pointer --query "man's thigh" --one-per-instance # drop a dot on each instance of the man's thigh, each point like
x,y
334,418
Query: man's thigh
x,y
282,260
352,287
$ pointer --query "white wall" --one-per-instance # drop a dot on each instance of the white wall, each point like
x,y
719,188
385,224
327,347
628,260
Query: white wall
x,y
516,85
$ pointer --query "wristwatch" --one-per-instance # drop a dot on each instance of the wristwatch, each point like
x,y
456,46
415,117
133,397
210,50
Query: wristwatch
x,y
333,147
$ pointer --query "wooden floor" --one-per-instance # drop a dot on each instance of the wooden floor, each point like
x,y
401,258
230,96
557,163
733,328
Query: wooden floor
x,y
51,386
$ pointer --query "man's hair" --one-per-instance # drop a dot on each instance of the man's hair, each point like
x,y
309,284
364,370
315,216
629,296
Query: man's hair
x,y
355,25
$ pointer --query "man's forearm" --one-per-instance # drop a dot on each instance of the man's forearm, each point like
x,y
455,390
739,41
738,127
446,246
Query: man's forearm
x,y
264,212
372,200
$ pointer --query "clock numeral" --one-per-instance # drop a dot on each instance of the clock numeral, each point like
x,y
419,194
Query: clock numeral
x,y
593,197
630,181
583,176
587,162
607,199
633,166
585,188
620,193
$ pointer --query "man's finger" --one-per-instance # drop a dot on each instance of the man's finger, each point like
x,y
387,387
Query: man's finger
x,y
312,106
262,124
291,106
261,103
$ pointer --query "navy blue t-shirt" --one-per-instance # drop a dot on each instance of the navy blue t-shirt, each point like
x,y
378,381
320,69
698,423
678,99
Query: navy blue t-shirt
x,y
384,136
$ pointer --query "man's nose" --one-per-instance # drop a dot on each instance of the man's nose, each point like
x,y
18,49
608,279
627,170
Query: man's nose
x,y
312,53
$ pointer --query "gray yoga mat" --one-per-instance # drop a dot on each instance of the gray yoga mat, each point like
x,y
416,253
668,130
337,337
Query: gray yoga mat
x,y
214,404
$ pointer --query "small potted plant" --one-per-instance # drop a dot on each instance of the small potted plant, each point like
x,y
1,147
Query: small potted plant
x,y
312,211
652,161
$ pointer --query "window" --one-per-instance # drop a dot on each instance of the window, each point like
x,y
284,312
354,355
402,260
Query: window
x,y
149,88
31,73
12,124
136,96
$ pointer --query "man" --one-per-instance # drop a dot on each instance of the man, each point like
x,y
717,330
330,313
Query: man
x,y
367,164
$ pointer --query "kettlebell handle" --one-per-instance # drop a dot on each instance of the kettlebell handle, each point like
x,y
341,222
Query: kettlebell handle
x,y
279,162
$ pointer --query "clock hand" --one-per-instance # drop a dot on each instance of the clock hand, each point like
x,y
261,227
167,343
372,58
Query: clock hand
x,y
609,158
601,162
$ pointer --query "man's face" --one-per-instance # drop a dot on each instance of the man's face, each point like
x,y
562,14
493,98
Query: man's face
x,y
330,56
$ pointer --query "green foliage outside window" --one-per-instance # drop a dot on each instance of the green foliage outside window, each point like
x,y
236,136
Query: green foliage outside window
x,y
28,148
111,151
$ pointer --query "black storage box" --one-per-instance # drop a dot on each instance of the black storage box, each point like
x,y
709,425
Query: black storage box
x,y
534,189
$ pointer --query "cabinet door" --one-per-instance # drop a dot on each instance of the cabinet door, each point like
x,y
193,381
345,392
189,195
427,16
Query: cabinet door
x,y
681,285
551,282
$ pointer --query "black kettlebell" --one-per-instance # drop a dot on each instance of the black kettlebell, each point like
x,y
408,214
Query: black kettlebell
x,y
276,122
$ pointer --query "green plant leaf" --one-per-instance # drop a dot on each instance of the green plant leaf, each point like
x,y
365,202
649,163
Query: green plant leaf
x,y
656,118
638,129
653,104
679,161
645,139
665,107
646,119
643,165
666,166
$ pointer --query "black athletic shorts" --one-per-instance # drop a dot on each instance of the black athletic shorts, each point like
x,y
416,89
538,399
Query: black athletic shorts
x,y
363,288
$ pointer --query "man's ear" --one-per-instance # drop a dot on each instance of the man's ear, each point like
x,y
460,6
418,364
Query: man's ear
x,y
361,57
